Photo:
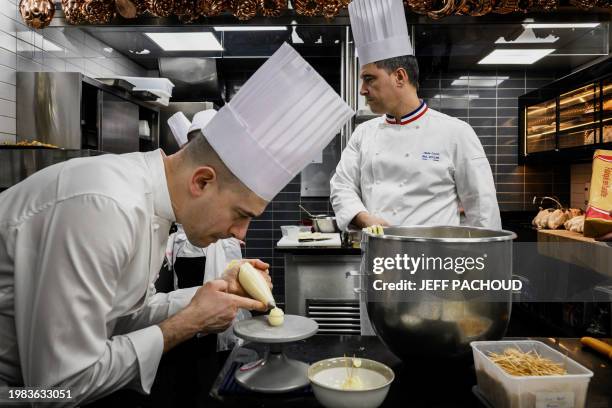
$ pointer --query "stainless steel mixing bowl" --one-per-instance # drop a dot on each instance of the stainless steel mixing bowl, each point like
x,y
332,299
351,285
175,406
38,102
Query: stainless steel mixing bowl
x,y
439,328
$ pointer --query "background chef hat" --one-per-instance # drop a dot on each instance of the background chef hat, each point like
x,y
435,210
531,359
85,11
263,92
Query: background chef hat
x,y
179,126
279,120
201,119
380,30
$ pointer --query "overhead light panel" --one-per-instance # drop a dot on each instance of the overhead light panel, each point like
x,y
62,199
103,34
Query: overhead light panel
x,y
447,96
477,81
196,41
251,28
561,25
515,57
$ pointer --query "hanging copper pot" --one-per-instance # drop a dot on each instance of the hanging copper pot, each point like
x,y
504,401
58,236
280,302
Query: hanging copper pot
x,y
475,8
141,6
212,8
308,8
506,6
131,8
73,11
37,13
187,11
419,6
525,5
161,8
99,11
483,7
272,8
330,8
585,4
551,5
448,8
126,8
244,9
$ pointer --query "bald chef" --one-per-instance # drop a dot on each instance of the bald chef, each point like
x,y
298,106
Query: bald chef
x,y
412,166
81,242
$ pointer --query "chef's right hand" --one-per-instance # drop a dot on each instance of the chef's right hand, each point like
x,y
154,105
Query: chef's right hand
x,y
365,219
213,310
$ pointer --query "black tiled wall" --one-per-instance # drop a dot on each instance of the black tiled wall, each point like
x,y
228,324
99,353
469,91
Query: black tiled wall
x,y
265,231
491,111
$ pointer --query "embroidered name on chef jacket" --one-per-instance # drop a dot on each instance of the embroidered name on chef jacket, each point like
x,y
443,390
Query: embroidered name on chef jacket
x,y
434,156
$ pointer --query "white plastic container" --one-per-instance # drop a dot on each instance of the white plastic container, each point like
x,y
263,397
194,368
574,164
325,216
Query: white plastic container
x,y
292,232
507,391
161,87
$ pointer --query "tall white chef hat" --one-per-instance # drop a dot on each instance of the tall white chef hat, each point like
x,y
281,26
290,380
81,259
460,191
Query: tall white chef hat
x,y
179,126
380,29
281,118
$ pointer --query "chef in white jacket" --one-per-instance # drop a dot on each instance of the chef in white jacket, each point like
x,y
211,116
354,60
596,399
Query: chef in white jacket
x,y
413,165
81,242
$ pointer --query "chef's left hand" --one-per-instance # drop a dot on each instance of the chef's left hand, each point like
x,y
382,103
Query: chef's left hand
x,y
231,275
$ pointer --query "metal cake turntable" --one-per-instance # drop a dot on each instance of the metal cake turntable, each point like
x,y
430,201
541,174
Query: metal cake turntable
x,y
275,372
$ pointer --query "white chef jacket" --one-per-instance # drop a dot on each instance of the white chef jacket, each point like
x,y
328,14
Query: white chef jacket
x,y
81,243
416,172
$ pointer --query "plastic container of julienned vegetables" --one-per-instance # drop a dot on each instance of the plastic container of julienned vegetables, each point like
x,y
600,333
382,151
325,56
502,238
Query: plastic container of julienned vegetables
x,y
503,390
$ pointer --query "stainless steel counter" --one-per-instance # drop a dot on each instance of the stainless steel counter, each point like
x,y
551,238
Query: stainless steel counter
x,y
316,285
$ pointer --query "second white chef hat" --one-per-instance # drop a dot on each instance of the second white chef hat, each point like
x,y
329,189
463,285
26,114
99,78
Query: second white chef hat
x,y
179,126
280,119
380,30
201,119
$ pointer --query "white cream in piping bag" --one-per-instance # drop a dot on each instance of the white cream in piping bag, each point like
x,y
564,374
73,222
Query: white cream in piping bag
x,y
256,286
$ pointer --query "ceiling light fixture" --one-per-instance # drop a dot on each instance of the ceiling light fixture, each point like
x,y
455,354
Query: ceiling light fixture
x,y
475,81
194,41
447,96
251,28
515,57
561,25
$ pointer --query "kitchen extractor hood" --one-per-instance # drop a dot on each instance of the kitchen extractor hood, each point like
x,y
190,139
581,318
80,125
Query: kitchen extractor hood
x,y
195,79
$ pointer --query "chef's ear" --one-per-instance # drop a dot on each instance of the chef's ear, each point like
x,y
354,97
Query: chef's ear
x,y
201,178
401,77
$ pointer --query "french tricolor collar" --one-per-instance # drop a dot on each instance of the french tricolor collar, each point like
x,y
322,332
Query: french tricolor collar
x,y
406,119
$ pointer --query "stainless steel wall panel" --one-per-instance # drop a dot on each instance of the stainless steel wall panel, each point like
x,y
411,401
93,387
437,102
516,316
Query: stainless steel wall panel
x,y
49,108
